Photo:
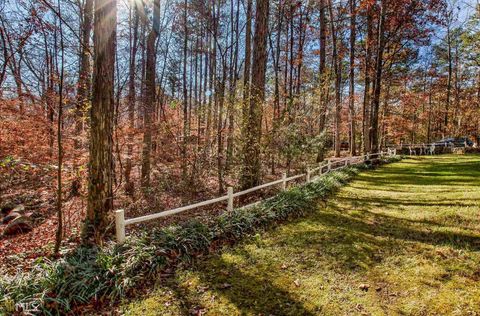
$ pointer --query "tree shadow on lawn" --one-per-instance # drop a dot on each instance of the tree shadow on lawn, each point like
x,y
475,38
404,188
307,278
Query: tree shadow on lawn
x,y
396,180
250,294
376,224
339,242
395,203
347,243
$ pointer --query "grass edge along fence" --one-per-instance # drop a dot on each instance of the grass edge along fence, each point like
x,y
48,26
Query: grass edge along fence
x,y
329,165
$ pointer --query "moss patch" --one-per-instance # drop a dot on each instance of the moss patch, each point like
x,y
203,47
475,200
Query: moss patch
x,y
401,240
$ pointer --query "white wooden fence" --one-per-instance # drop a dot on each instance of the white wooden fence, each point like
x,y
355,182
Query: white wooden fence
x,y
329,165
429,149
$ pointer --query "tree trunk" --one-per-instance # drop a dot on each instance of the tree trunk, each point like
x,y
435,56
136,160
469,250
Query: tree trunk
x,y
449,82
378,80
100,195
3,71
251,173
185,94
276,99
59,233
221,102
129,186
248,57
367,74
322,81
338,80
84,75
150,96
353,150
233,82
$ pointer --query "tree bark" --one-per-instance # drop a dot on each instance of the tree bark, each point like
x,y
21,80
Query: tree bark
x,y
59,233
100,195
150,96
338,80
449,82
276,98
251,173
353,149
232,81
367,74
378,79
185,94
84,75
129,186
322,81
248,57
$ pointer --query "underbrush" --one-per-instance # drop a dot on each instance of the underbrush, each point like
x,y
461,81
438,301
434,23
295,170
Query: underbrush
x,y
98,276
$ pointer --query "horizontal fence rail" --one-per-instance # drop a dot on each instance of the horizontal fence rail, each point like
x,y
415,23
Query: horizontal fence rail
x,y
329,165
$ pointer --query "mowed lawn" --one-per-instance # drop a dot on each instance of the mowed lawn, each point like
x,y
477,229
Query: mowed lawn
x,y
401,240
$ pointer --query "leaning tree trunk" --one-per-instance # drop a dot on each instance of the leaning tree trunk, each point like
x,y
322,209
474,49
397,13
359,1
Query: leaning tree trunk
x,y
251,173
100,194
322,81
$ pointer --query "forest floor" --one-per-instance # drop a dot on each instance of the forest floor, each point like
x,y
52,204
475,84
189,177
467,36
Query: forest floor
x,y
401,240
28,173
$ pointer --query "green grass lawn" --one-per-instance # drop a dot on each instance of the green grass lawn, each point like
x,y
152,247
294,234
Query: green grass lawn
x,y
401,240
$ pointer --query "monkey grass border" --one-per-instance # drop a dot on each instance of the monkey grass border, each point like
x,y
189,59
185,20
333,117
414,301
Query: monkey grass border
x,y
99,276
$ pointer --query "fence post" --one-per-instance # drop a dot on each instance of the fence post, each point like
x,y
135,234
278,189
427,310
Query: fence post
x,y
308,175
120,226
230,199
329,165
346,163
284,182
368,156
320,168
